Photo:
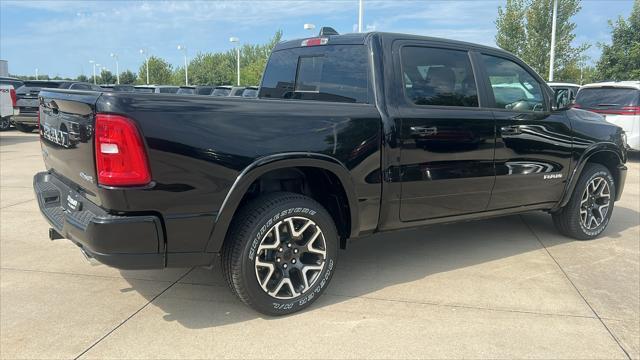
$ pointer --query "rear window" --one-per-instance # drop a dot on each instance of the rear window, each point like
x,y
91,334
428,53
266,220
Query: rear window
x,y
337,73
204,91
607,97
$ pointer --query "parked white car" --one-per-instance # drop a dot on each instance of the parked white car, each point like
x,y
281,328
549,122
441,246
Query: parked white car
x,y
618,102
7,106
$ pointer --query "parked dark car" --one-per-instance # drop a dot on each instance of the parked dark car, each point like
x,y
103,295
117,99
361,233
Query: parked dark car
x,y
350,135
250,92
27,100
118,88
196,90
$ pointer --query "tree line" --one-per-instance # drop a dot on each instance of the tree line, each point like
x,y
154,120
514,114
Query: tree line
x,y
523,28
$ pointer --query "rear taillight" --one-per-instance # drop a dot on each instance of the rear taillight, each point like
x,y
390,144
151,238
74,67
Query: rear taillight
x,y
14,98
121,159
625,110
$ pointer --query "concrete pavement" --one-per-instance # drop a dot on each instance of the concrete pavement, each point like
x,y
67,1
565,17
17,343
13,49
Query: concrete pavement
x,y
500,288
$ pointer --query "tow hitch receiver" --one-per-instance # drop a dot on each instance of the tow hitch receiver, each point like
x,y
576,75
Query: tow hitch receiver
x,y
54,235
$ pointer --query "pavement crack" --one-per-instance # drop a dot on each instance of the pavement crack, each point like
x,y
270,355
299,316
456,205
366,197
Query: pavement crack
x,y
132,315
18,203
575,287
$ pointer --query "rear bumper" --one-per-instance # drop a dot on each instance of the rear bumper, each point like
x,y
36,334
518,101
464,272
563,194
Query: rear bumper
x,y
125,242
30,119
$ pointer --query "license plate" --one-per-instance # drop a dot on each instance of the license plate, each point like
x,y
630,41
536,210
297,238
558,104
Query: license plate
x,y
72,202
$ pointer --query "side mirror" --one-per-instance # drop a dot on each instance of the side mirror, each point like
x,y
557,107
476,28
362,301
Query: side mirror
x,y
561,100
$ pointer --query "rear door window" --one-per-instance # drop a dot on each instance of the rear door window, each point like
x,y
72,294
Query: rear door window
x,y
607,98
438,77
337,73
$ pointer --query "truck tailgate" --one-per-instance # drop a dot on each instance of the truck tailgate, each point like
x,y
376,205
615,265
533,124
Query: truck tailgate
x,y
66,131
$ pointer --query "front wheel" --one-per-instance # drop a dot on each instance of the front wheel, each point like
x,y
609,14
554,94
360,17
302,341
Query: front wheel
x,y
24,128
280,253
588,212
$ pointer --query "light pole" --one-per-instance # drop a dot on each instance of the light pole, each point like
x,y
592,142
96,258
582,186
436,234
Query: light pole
x,y
553,39
309,27
186,72
146,59
234,39
99,67
360,14
94,70
115,57
36,73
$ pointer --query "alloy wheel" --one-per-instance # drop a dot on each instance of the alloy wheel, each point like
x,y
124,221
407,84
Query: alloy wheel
x,y
594,203
290,257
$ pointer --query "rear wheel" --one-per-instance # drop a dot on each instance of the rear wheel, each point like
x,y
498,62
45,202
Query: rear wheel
x,y
588,212
5,123
24,128
280,253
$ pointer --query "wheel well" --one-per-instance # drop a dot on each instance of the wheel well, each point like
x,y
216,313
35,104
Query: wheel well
x,y
609,160
319,184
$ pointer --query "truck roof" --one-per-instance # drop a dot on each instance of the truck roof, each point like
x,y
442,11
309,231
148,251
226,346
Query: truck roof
x,y
619,84
361,38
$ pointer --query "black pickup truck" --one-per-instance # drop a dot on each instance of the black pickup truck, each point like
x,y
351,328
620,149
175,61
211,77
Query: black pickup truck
x,y
350,135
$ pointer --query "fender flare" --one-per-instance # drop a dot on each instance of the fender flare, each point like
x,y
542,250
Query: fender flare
x,y
265,164
582,161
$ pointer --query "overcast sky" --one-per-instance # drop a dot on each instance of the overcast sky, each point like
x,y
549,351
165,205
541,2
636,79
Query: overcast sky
x,y
60,37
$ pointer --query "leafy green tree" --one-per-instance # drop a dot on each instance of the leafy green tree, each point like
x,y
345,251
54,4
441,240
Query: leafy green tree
x,y
82,78
159,71
106,77
621,59
510,23
127,77
213,68
524,28
177,77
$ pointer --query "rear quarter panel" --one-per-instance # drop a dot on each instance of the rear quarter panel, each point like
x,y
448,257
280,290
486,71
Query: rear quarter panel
x,y
198,146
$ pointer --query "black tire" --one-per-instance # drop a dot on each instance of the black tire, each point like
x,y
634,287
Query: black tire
x,y
252,226
569,220
5,123
24,128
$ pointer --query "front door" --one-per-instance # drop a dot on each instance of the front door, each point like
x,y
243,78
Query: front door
x,y
447,139
533,144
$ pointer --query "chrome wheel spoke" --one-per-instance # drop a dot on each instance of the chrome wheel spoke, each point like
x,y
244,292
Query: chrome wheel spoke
x,y
310,245
305,275
284,282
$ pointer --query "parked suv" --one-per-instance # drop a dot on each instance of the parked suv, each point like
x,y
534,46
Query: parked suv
x,y
618,102
195,90
8,99
350,135
156,89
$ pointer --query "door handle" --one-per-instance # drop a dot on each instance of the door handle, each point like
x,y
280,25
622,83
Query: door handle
x,y
510,130
424,131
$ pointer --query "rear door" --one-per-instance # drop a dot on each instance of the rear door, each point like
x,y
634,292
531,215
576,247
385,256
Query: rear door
x,y
533,144
447,138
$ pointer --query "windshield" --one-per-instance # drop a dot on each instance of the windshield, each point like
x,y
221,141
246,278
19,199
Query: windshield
x,y
590,98
221,92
